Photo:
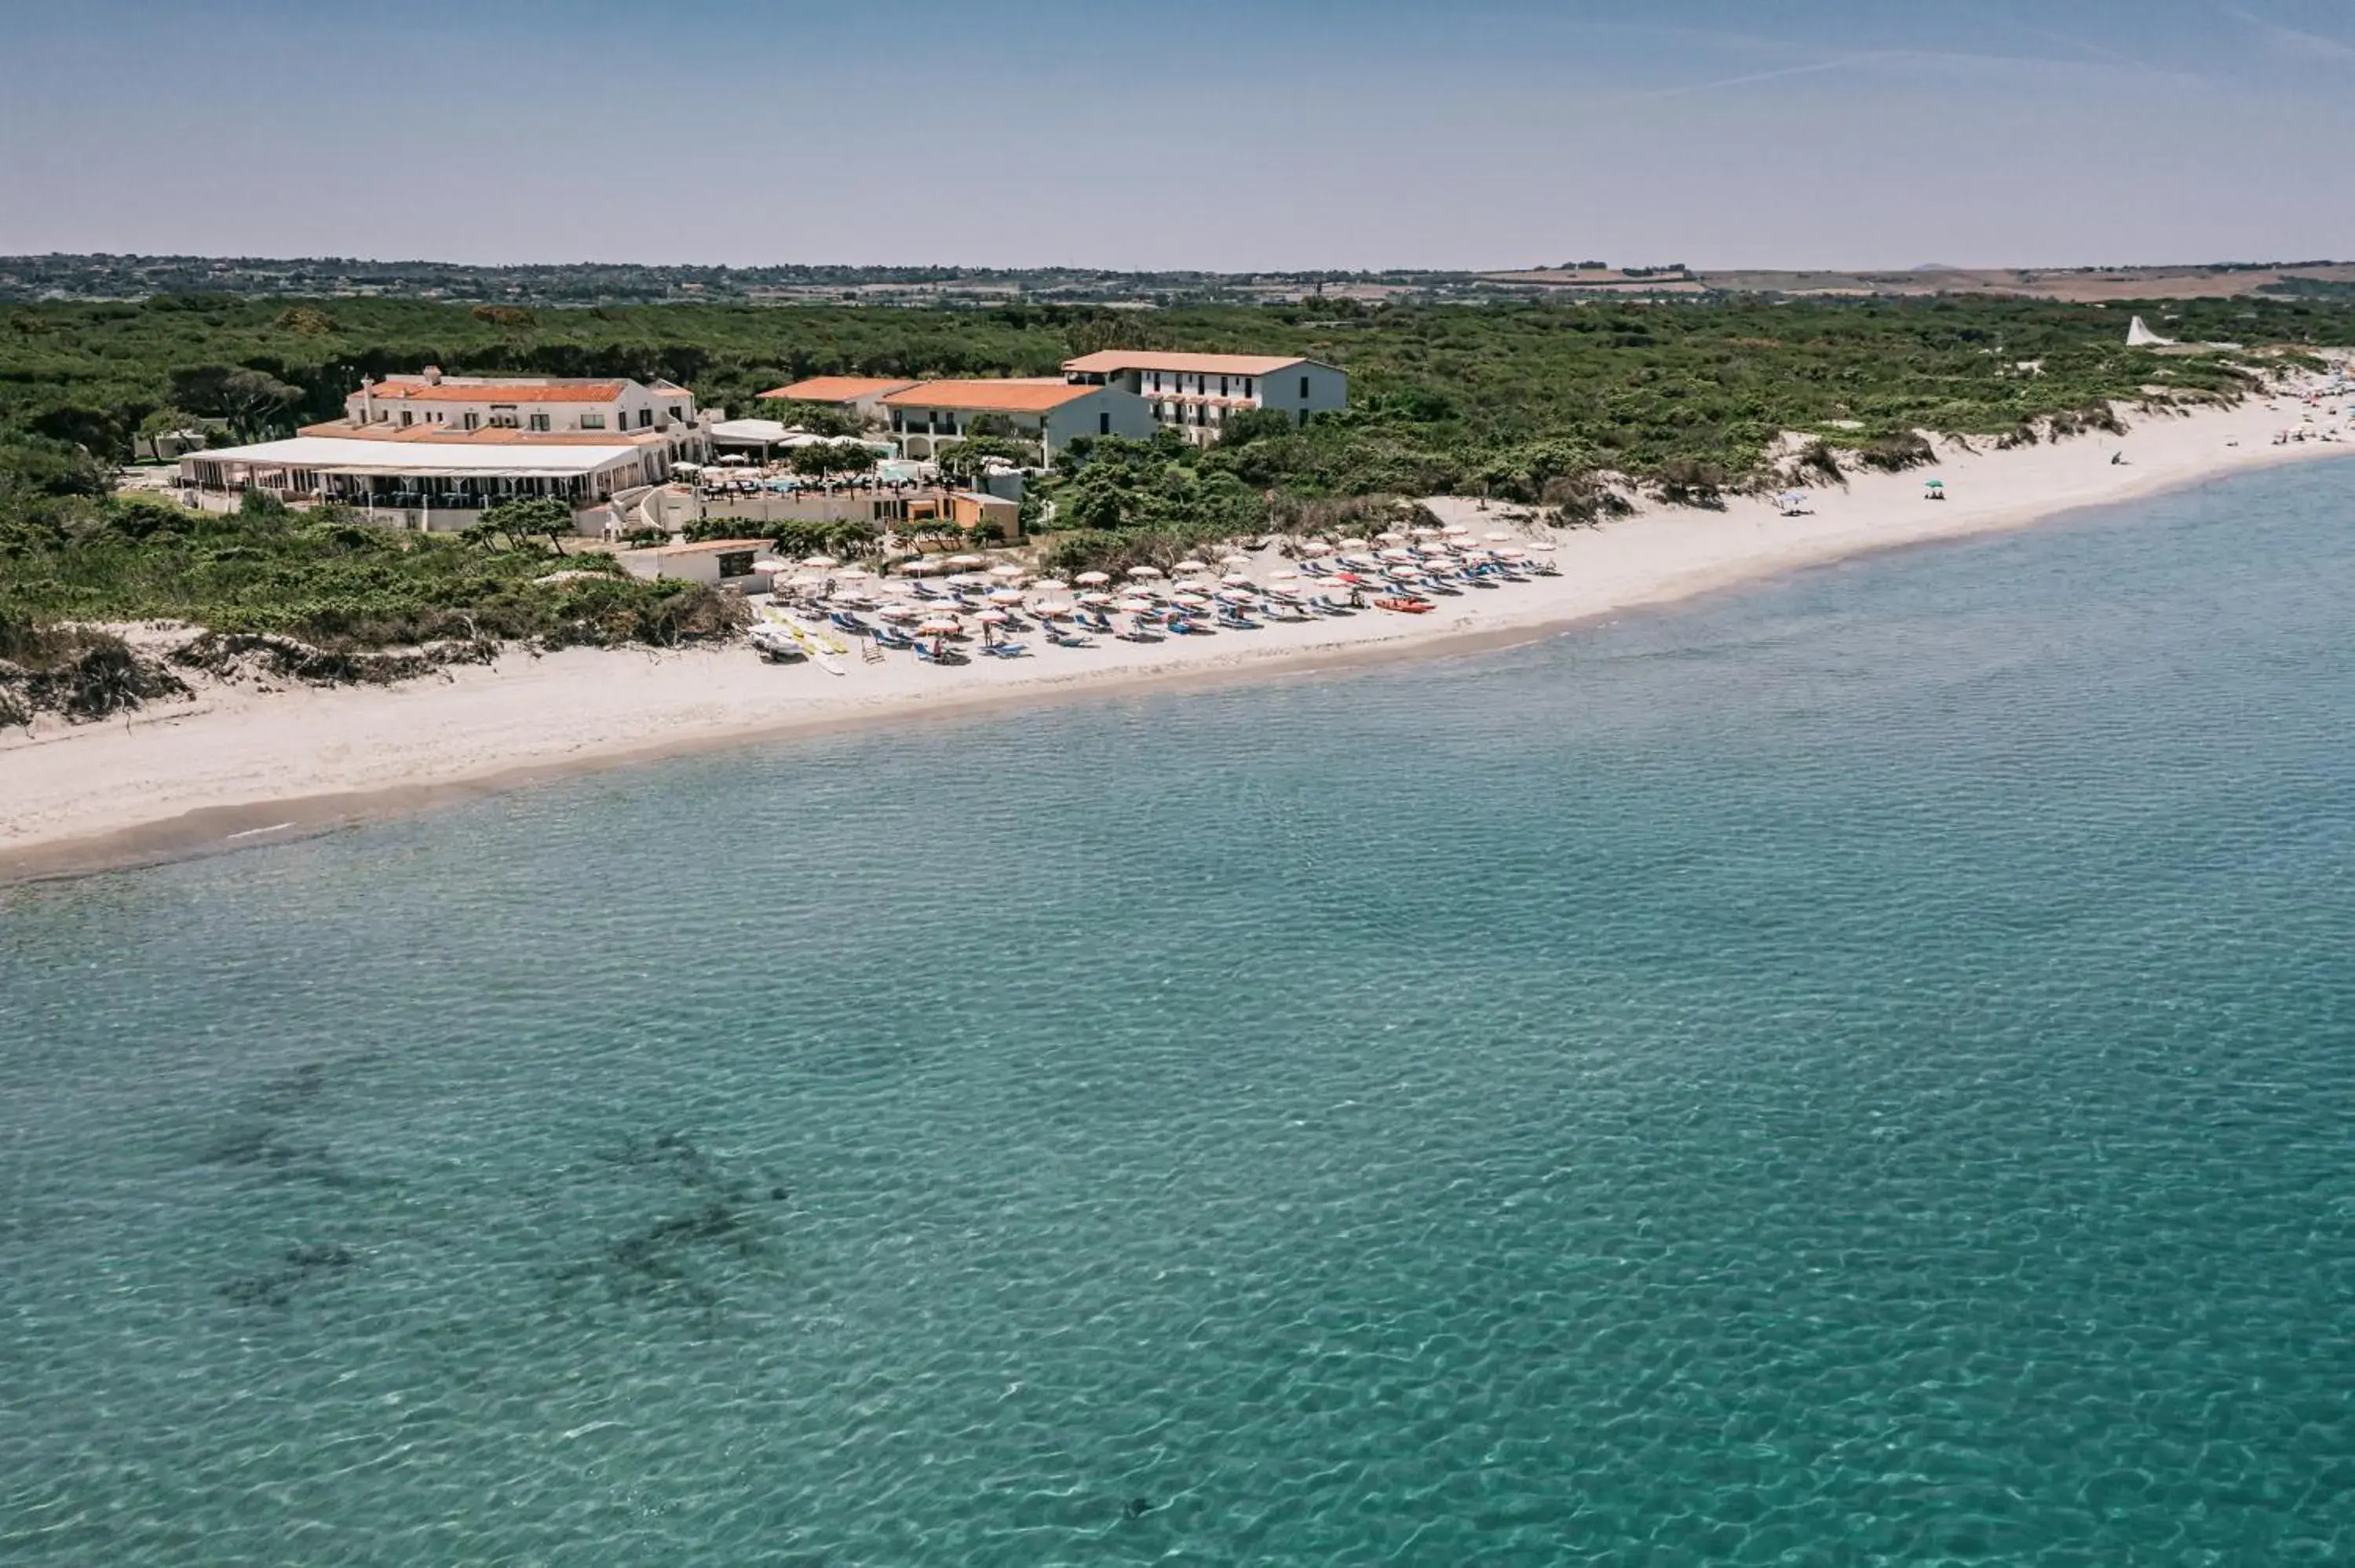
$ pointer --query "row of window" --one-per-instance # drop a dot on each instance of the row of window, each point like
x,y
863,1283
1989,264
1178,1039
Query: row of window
x,y
1229,386
507,418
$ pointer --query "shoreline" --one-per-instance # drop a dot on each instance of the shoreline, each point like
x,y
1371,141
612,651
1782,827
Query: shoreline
x,y
239,769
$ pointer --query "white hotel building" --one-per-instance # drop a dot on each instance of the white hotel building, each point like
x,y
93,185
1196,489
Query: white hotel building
x,y
1195,392
432,450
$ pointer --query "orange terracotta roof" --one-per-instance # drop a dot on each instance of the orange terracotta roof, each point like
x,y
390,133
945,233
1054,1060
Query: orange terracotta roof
x,y
839,388
486,436
1003,397
1113,359
500,392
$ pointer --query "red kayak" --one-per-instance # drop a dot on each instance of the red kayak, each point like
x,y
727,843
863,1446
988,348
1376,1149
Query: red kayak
x,y
1405,606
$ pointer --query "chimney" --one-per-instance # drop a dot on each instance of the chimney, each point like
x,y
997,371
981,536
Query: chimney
x,y
367,400
433,376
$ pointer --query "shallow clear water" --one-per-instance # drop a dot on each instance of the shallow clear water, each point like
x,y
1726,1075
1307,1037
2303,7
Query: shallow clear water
x,y
1854,1072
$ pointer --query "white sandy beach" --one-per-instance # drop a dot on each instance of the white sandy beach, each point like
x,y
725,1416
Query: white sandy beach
x,y
240,765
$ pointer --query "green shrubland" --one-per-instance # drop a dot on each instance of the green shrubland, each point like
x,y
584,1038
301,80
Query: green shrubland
x,y
1571,407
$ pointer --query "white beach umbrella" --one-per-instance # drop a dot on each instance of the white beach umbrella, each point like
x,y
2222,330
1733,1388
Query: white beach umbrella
x,y
1498,539
898,612
1190,565
1093,578
1457,530
1192,600
1053,607
1234,559
1007,595
1391,537
993,617
1142,572
1542,544
1096,600
941,626
1510,554
853,574
1237,579
1355,545
1136,606
820,563
968,562
1009,570
1049,585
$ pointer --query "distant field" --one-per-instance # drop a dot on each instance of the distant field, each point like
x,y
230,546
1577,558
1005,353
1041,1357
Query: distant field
x,y
2068,285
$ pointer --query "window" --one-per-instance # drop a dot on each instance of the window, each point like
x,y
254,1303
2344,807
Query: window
x,y
406,417
1104,424
592,422
1247,386
1304,389
539,421
1223,386
645,418
472,418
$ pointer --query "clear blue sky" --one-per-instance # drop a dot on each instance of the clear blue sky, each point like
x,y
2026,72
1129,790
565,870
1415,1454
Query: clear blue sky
x,y
1217,133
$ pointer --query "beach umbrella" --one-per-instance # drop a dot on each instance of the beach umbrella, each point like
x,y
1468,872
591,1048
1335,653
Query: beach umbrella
x,y
993,617
1144,571
1049,585
820,563
1007,595
898,611
1934,484
1053,607
1191,565
1510,554
1499,538
1355,545
1391,537
1008,570
1093,578
968,562
1095,600
852,574
1192,600
1137,606
1237,579
1234,559
1542,544
941,626
1456,529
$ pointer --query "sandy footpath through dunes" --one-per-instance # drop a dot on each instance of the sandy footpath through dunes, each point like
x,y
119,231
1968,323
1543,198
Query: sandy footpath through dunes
x,y
238,766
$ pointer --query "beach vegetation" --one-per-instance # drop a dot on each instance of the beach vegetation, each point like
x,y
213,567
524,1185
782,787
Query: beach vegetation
x,y
1567,406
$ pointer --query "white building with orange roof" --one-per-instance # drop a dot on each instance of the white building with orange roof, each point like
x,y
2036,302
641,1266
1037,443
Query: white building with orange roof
x,y
605,407
434,451
930,415
1194,393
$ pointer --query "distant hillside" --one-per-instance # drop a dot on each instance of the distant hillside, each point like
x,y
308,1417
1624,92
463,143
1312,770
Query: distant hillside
x,y
35,278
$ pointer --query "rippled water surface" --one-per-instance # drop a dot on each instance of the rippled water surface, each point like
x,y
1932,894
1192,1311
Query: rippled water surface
x,y
1855,1071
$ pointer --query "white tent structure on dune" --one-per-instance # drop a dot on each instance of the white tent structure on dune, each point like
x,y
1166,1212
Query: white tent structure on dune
x,y
2139,335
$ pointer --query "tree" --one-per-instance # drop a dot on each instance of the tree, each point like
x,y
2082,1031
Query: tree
x,y
519,521
823,459
965,462
251,400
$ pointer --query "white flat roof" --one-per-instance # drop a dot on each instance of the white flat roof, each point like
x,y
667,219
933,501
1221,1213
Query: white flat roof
x,y
775,433
335,454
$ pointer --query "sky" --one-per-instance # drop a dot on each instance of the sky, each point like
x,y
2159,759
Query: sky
x,y
1217,135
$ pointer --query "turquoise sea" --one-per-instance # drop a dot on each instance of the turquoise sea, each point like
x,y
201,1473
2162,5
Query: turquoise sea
x,y
1857,1071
